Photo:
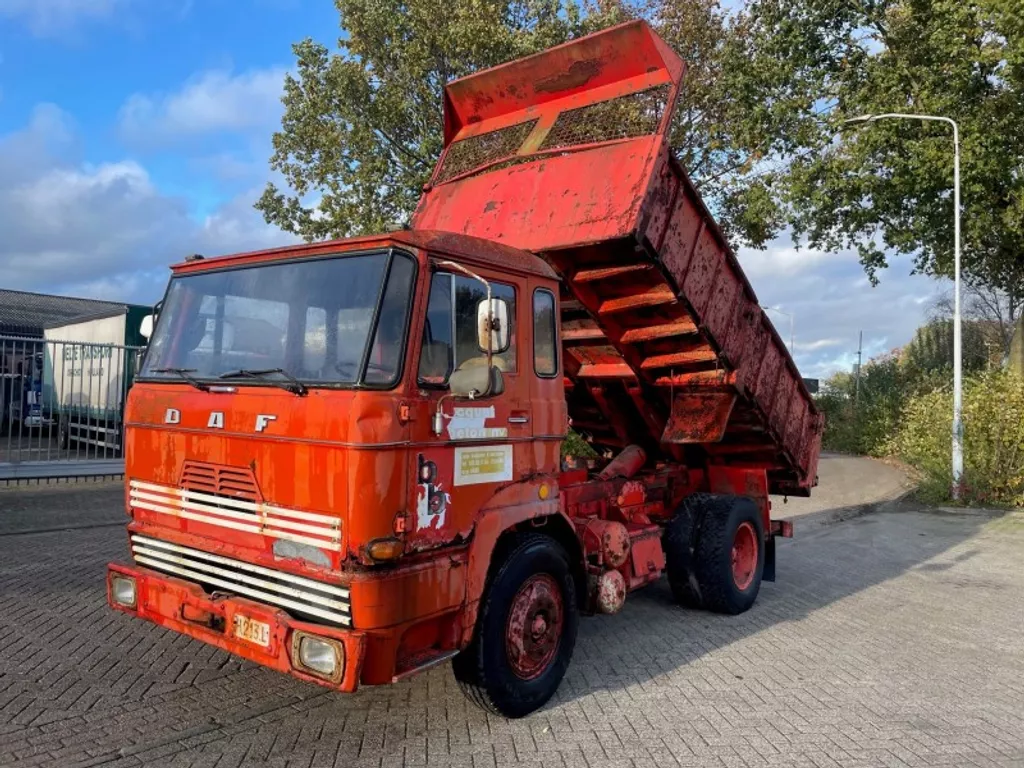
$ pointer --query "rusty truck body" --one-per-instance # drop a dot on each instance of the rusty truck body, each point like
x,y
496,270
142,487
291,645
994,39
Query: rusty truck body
x,y
343,458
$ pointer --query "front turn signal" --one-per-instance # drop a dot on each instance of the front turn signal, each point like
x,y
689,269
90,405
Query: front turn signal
x,y
383,550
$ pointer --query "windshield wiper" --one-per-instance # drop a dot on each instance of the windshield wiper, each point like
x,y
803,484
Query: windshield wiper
x,y
186,374
291,383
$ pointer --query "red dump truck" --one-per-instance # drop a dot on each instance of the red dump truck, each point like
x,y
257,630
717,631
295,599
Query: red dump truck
x,y
343,459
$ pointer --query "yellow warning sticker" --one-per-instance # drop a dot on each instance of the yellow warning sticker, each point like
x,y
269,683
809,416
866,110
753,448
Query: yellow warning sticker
x,y
483,464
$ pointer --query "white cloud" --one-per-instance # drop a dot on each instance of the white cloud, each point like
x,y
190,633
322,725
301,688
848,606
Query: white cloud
x,y
832,302
104,230
211,102
782,258
50,17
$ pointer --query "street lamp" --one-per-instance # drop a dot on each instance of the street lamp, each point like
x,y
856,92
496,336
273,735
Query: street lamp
x,y
958,427
792,349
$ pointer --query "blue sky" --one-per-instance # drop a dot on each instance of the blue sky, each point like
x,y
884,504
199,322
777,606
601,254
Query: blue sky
x,y
134,132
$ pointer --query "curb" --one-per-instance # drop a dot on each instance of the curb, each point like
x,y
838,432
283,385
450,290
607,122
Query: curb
x,y
62,528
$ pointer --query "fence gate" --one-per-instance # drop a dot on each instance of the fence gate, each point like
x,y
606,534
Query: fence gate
x,y
62,407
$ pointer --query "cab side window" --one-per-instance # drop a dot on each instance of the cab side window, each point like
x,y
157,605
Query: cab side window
x,y
436,352
545,341
450,338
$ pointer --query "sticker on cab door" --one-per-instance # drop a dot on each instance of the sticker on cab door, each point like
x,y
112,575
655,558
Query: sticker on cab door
x,y
431,499
470,423
484,464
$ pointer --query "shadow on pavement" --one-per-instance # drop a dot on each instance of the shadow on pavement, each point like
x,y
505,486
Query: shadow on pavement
x,y
832,561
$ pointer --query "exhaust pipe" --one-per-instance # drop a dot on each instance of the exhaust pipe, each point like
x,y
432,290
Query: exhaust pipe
x,y
626,464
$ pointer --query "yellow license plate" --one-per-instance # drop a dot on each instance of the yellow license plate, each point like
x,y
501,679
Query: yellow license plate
x,y
254,631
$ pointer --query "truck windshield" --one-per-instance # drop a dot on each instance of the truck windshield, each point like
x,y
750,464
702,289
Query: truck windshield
x,y
311,319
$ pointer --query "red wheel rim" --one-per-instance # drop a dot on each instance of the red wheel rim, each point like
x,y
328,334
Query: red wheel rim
x,y
534,626
744,555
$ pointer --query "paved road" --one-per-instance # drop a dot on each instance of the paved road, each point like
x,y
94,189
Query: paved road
x,y
895,639
846,486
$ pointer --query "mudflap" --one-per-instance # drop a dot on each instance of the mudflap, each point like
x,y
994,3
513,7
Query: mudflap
x,y
769,560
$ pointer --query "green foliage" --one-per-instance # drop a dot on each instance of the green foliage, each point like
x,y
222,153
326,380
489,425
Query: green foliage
x,y
931,349
905,408
574,445
886,186
993,413
865,423
362,126
862,423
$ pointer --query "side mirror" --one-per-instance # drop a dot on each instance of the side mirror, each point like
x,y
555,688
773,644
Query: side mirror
x,y
492,319
476,381
146,326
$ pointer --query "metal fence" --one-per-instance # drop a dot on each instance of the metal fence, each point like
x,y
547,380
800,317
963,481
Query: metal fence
x,y
62,407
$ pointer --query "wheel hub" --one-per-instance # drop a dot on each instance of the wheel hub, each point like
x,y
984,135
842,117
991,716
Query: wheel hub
x,y
744,555
534,626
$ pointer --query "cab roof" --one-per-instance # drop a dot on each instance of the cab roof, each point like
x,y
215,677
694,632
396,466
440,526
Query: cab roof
x,y
460,247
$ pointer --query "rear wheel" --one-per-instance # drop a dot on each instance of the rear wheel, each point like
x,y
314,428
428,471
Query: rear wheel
x,y
714,547
525,633
679,542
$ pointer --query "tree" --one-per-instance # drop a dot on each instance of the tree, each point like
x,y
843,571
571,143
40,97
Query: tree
x,y
362,127
886,186
996,309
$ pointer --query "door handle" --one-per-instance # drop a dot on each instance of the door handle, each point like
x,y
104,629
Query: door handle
x,y
518,418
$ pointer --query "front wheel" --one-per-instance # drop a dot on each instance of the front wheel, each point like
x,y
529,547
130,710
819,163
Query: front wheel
x,y
525,632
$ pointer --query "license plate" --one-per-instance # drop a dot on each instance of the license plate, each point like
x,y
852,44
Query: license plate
x,y
254,631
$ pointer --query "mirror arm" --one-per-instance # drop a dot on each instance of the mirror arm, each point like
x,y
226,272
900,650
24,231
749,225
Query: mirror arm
x,y
438,425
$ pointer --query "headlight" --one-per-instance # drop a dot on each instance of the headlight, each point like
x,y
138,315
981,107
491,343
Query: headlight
x,y
320,656
122,590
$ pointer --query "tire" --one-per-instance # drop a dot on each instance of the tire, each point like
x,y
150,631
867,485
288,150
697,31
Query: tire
x,y
679,543
508,672
703,569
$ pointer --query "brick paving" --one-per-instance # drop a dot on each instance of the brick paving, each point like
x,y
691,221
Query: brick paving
x,y
896,639
31,507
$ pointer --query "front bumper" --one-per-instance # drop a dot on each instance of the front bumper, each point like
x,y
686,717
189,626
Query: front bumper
x,y
185,608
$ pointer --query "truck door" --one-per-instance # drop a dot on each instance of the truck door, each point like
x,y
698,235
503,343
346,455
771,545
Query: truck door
x,y
484,442
549,416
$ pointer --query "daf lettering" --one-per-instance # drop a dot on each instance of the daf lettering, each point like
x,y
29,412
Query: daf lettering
x,y
263,421
216,420
173,416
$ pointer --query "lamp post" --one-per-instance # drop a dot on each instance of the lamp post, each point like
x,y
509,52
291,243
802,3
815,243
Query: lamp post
x,y
792,348
958,427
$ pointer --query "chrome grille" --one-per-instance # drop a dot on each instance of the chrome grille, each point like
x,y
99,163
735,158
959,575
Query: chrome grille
x,y
304,598
324,531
